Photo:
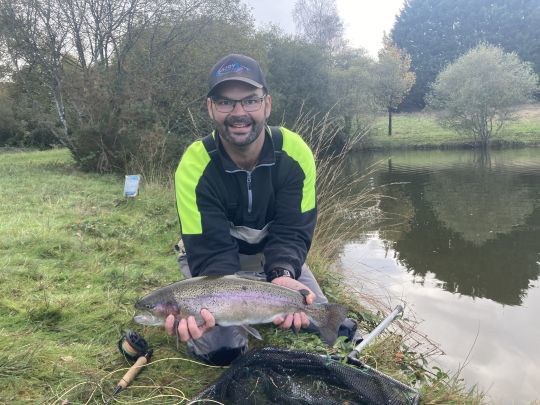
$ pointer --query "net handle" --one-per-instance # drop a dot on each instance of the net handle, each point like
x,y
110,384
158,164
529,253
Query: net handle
x,y
398,310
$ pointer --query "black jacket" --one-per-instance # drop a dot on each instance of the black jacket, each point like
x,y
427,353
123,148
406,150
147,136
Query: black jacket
x,y
224,210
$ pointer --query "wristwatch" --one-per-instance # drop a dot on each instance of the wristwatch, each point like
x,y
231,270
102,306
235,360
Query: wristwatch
x,y
278,272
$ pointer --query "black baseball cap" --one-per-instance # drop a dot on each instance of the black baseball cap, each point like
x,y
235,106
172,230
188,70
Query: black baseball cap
x,y
238,68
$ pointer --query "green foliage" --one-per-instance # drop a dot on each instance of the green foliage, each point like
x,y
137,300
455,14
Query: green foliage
x,y
436,32
10,128
393,78
477,94
107,100
307,82
351,91
135,106
298,76
30,111
39,136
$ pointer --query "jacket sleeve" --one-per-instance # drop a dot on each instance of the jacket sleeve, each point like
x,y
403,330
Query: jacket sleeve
x,y
295,216
210,248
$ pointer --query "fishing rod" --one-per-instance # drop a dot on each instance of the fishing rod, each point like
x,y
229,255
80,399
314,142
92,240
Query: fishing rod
x,y
134,348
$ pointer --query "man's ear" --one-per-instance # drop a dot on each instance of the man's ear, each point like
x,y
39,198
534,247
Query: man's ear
x,y
268,106
209,107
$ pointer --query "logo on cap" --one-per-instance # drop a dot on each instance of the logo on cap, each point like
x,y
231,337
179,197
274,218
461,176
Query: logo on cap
x,y
229,68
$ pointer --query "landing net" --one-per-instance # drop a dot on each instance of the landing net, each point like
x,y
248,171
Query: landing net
x,y
277,376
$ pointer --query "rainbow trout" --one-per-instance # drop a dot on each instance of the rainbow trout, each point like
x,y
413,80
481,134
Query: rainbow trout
x,y
238,301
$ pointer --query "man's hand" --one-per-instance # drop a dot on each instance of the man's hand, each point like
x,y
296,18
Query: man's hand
x,y
298,319
187,327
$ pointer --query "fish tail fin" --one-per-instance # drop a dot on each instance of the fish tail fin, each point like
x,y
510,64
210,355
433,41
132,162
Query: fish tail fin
x,y
328,318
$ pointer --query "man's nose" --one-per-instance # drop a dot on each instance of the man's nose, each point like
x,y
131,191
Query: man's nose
x,y
238,109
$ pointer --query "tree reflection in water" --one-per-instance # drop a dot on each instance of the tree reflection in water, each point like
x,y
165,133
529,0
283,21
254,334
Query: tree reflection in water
x,y
471,219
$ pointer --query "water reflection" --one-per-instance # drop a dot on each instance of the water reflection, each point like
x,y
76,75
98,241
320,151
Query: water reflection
x,y
462,249
473,220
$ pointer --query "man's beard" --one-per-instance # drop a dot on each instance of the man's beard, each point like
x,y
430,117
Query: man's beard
x,y
228,125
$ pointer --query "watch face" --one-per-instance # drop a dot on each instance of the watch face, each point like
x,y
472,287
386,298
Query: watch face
x,y
283,273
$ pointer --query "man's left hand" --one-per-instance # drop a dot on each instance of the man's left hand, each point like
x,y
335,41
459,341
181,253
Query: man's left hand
x,y
297,319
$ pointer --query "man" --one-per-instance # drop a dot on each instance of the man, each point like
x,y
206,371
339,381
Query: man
x,y
246,201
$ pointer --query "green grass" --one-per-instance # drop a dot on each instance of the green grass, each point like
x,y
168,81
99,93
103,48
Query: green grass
x,y
74,257
421,131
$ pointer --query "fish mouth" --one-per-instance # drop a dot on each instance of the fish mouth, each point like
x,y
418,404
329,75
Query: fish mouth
x,y
149,319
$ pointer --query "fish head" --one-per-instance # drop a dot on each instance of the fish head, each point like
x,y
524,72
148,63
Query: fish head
x,y
155,307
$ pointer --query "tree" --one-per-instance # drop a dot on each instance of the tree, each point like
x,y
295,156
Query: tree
x,y
393,78
298,76
437,32
9,127
477,94
351,90
115,68
318,22
52,36
34,34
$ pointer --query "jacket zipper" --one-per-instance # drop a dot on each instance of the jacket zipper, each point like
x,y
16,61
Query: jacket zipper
x,y
250,195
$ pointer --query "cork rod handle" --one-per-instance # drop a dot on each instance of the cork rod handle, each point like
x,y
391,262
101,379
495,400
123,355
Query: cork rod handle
x,y
132,372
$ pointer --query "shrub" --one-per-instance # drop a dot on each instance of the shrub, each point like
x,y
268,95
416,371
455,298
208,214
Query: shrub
x,y
477,93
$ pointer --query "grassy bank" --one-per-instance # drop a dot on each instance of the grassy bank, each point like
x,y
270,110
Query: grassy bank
x,y
421,131
75,255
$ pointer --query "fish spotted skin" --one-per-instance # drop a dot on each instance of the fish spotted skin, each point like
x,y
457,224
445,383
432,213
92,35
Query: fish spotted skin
x,y
234,300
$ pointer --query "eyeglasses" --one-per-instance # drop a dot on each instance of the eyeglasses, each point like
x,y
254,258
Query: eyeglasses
x,y
250,104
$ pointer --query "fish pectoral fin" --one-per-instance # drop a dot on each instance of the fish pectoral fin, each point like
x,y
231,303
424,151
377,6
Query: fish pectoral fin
x,y
304,293
252,331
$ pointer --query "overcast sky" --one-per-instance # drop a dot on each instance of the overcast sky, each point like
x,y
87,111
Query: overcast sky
x,y
365,20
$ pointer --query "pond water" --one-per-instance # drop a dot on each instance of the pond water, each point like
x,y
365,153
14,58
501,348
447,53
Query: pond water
x,y
461,248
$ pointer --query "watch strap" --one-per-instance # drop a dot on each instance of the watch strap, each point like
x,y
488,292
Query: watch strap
x,y
279,272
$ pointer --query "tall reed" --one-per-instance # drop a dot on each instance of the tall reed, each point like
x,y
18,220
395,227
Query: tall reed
x,y
342,214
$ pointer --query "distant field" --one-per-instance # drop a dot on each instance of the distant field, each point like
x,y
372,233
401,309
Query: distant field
x,y
421,131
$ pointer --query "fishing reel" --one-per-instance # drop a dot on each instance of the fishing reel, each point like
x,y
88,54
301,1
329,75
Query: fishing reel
x,y
132,346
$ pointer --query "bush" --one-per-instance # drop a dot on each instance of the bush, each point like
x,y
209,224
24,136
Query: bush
x,y
40,137
476,94
10,130
132,142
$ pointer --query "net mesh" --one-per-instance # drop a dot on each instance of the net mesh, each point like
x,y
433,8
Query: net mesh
x,y
271,375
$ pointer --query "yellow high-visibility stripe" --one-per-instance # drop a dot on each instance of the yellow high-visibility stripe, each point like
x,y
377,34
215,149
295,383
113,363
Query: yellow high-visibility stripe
x,y
187,177
298,150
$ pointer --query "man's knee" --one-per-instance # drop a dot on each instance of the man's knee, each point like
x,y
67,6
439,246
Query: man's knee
x,y
308,279
220,345
183,265
222,356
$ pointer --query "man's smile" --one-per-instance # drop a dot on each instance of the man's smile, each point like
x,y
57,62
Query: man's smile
x,y
239,126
